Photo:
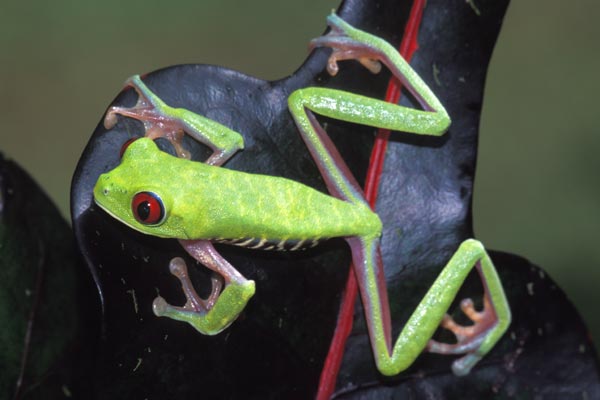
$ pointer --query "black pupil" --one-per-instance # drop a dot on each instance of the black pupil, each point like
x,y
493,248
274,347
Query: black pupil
x,y
143,210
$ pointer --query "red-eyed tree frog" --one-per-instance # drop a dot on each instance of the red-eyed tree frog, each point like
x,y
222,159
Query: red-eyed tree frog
x,y
201,203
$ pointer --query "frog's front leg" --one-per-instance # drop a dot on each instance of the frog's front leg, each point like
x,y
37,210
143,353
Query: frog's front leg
x,y
178,268
216,313
161,120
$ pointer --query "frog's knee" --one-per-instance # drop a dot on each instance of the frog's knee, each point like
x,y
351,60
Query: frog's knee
x,y
472,245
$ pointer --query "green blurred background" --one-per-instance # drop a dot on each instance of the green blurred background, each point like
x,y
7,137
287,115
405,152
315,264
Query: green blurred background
x,y
537,190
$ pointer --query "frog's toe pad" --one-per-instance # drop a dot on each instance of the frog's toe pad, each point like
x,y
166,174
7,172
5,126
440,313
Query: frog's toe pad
x,y
160,307
463,365
469,338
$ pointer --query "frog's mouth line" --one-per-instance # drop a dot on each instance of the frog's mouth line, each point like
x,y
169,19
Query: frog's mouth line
x,y
115,216
127,223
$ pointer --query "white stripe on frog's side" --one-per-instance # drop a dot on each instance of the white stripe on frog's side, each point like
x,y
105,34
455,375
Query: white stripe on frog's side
x,y
260,244
298,245
265,244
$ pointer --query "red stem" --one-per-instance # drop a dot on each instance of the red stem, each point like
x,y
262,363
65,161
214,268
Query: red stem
x,y
345,317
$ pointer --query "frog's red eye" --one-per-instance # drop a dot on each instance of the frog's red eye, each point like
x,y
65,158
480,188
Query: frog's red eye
x,y
126,145
147,208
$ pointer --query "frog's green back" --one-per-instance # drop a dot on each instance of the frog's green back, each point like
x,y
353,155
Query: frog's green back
x,y
206,202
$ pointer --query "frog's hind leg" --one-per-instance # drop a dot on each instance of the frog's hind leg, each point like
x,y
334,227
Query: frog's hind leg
x,y
348,42
473,342
339,180
470,338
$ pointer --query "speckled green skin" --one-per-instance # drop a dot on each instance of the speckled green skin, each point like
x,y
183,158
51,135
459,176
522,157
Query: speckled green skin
x,y
263,206
204,202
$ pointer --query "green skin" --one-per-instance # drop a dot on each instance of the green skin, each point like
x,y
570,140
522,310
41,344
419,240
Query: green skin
x,y
274,213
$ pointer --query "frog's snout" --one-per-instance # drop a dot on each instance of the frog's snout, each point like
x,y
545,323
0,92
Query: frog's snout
x,y
102,187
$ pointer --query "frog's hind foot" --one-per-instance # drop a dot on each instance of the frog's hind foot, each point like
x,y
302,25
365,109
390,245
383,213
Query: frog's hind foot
x,y
209,316
349,43
469,338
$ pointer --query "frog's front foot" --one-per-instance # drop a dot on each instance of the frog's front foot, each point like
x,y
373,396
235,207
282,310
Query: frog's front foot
x,y
349,43
468,338
159,119
209,316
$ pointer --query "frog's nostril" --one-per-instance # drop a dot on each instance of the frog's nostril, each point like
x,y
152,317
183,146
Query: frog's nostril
x,y
105,191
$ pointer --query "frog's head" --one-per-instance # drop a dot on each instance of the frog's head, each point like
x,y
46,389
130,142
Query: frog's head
x,y
139,191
